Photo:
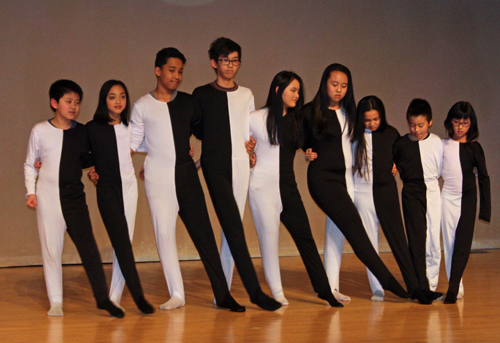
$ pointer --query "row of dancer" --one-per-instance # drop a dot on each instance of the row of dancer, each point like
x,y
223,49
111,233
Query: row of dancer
x,y
220,118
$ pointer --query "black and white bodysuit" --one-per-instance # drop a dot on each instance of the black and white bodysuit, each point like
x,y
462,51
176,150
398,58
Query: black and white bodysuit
x,y
225,165
376,198
459,201
173,186
61,204
274,197
326,178
419,164
117,200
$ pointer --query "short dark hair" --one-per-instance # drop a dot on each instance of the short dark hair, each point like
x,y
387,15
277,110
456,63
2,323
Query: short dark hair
x,y
223,47
164,54
419,107
101,114
462,110
61,87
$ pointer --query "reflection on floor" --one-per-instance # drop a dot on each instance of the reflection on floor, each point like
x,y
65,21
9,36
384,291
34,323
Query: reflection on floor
x,y
307,319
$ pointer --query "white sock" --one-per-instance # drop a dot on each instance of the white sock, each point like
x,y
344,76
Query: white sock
x,y
173,303
340,297
55,310
377,298
280,297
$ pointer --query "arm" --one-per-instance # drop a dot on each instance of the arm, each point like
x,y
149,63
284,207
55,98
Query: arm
x,y
196,121
484,185
137,133
30,173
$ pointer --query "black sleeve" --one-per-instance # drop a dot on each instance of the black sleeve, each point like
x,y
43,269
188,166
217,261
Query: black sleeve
x,y
196,128
86,157
307,129
484,183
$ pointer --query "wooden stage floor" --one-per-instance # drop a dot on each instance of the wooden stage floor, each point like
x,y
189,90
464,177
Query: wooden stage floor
x,y
476,318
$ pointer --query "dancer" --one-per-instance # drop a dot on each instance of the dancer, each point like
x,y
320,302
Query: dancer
x,y
224,129
419,156
376,193
62,146
273,193
165,119
109,136
461,154
329,124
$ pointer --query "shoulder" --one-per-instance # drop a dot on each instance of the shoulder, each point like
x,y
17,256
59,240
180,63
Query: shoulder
x,y
476,147
245,91
184,97
143,100
41,126
257,114
434,138
202,89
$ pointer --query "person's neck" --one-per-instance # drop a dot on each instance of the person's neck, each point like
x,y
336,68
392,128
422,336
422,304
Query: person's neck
x,y
162,94
61,122
115,119
334,106
224,83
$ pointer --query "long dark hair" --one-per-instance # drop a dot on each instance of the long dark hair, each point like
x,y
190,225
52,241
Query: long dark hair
x,y
101,114
462,110
368,103
274,105
321,101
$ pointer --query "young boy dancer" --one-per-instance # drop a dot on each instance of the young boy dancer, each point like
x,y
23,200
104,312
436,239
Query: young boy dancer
x,y
165,119
419,156
61,144
225,108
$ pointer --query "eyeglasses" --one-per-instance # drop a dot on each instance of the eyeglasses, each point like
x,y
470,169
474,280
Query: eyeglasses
x,y
458,123
227,61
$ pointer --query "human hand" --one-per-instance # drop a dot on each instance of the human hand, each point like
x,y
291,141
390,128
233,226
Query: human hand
x,y
394,169
191,151
31,202
253,160
38,165
310,155
141,173
250,145
93,176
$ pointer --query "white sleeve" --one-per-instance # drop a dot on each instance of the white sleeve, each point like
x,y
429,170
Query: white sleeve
x,y
440,160
142,148
252,104
137,128
32,155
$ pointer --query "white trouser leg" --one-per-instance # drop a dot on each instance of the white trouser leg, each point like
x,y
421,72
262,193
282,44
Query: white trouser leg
x,y
51,229
241,174
164,210
451,211
265,204
433,242
334,245
363,199
130,195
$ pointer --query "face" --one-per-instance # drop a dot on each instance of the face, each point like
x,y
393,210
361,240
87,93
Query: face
x,y
291,94
226,72
170,74
336,88
68,106
372,120
116,101
460,129
419,126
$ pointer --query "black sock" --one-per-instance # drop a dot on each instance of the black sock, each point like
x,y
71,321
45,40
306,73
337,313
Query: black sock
x,y
264,301
432,295
231,304
328,296
144,305
451,298
420,296
396,288
111,308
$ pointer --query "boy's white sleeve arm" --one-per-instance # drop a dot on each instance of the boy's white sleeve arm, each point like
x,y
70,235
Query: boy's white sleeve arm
x,y
32,155
252,104
137,128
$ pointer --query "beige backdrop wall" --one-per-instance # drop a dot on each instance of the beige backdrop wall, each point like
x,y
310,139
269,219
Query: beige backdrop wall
x,y
444,51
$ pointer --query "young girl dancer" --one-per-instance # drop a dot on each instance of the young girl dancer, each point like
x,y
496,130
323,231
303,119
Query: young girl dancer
x,y
329,124
109,136
273,193
376,193
461,154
